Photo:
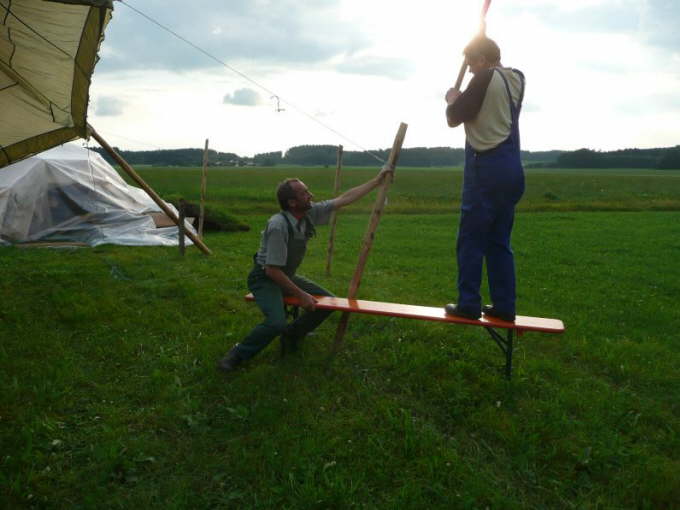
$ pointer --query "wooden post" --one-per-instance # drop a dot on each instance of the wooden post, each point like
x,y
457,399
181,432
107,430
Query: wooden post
x,y
334,214
461,75
482,31
149,191
182,217
370,235
204,179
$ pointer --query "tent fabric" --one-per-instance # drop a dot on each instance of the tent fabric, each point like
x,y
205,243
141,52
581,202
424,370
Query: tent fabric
x,y
48,50
69,193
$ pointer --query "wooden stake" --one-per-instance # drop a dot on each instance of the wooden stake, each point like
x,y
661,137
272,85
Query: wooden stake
x,y
149,191
182,230
370,235
334,214
204,179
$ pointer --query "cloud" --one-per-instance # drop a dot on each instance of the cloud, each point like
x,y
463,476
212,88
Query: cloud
x,y
378,66
108,106
529,107
655,21
650,104
659,24
285,32
243,97
574,16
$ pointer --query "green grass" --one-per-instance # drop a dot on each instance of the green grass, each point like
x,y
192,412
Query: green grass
x,y
109,397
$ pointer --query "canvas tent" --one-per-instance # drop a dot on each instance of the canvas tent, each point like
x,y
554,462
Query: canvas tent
x,y
71,194
48,50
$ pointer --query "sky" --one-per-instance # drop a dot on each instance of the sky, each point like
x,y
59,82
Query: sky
x,y
601,74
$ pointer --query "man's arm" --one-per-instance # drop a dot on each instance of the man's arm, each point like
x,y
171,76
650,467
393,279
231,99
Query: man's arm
x,y
307,301
463,107
354,194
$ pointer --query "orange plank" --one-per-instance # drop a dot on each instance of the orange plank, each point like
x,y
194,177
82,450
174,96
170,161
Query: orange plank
x,y
428,313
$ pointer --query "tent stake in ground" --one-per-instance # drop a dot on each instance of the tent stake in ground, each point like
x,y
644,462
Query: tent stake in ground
x,y
154,196
370,234
334,214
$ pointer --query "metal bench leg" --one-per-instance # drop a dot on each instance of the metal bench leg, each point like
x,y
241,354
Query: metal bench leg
x,y
292,312
505,345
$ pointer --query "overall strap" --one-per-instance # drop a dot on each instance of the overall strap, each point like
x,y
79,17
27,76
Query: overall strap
x,y
291,230
513,109
310,231
522,81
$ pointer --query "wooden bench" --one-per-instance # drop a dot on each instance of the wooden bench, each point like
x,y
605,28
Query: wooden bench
x,y
521,325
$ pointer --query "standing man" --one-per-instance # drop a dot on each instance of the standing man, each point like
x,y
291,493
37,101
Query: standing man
x,y
282,249
493,180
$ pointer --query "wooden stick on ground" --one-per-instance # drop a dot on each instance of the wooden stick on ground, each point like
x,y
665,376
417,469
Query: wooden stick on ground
x,y
149,191
370,235
204,179
334,214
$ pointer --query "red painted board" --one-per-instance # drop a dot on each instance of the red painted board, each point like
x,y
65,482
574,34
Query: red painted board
x,y
428,313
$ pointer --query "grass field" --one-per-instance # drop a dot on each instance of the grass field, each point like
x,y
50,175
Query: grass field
x,y
109,397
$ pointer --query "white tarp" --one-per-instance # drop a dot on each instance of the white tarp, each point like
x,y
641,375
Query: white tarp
x,y
69,193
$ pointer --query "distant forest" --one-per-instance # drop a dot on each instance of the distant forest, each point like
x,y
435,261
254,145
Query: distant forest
x,y
326,155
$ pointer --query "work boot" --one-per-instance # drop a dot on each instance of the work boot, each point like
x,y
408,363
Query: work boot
x,y
457,311
490,311
230,361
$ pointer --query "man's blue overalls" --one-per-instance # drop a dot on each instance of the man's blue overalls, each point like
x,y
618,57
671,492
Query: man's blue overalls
x,y
493,183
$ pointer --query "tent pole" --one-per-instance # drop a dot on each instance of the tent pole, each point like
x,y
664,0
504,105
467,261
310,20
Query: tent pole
x,y
204,177
369,236
334,214
149,191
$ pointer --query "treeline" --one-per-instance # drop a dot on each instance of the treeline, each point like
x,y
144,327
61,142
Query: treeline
x,y
175,157
326,155
662,158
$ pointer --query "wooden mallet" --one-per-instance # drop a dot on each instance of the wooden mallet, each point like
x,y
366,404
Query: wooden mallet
x,y
482,31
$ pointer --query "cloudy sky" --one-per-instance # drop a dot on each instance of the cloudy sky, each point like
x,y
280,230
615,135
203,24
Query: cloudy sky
x,y
602,74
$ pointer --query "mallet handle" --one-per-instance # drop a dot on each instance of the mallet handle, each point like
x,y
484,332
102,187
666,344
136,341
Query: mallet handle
x,y
482,31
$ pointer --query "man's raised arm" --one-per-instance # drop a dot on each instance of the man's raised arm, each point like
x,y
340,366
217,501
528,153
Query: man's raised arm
x,y
354,194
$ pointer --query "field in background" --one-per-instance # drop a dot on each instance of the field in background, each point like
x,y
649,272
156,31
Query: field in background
x,y
110,398
415,191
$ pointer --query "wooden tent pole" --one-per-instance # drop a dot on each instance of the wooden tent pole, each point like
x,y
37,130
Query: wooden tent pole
x,y
204,179
149,191
370,235
334,214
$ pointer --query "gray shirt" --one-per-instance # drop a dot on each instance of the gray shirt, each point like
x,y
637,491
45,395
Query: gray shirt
x,y
274,238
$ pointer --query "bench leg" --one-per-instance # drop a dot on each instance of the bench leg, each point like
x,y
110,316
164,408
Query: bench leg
x,y
505,345
292,312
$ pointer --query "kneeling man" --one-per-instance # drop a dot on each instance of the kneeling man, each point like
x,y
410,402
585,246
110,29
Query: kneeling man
x,y
282,249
